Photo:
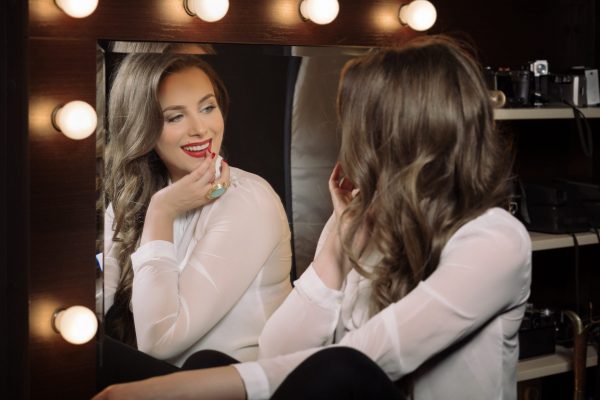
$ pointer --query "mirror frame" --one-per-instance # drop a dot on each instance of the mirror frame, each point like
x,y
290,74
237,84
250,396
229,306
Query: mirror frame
x,y
60,52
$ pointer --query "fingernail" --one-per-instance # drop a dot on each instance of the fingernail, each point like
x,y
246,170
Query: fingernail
x,y
213,155
225,161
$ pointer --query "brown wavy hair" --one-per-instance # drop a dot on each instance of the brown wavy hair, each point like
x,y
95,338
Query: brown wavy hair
x,y
134,172
420,143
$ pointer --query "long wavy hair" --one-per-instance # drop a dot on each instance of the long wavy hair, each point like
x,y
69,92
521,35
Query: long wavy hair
x,y
134,172
420,143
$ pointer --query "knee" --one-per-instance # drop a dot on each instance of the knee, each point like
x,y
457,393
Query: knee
x,y
207,359
339,361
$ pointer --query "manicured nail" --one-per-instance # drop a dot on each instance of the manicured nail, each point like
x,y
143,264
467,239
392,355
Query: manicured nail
x,y
213,155
225,161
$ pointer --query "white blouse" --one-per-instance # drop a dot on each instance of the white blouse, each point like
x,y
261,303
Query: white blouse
x,y
216,285
468,312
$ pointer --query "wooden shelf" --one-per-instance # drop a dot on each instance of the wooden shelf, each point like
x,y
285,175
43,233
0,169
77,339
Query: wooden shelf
x,y
546,241
543,113
557,363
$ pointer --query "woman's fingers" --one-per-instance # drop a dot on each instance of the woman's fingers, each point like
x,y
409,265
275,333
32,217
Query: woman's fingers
x,y
205,172
220,186
225,173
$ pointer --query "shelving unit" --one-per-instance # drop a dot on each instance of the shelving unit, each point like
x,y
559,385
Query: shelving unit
x,y
543,113
557,363
546,241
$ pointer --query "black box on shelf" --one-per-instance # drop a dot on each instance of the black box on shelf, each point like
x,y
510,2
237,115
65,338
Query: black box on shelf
x,y
556,207
537,342
537,333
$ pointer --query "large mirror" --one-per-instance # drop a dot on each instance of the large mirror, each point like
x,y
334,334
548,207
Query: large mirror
x,y
281,124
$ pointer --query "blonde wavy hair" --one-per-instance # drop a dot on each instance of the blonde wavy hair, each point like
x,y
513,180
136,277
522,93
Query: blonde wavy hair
x,y
420,143
134,172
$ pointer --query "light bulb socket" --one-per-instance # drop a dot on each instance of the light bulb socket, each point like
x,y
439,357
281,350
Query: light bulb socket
x,y
302,17
187,9
55,317
403,8
54,116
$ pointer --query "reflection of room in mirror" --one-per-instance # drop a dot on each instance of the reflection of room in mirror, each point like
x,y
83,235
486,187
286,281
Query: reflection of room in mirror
x,y
314,144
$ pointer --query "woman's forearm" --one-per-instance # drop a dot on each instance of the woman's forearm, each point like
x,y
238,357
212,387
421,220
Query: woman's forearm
x,y
329,263
158,224
214,384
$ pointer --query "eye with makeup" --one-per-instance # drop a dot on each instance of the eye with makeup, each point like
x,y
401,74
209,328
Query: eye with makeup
x,y
173,118
208,108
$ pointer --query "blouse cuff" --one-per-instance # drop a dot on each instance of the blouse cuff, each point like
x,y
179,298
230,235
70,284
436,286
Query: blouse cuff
x,y
156,249
311,286
255,380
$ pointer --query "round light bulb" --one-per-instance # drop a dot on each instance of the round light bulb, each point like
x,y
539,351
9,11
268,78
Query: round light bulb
x,y
76,324
76,119
77,8
319,11
420,15
207,10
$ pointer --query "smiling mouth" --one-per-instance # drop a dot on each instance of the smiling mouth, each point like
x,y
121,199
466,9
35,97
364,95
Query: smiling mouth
x,y
197,150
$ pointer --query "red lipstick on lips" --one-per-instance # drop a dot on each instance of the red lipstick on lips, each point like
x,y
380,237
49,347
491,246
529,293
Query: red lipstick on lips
x,y
198,149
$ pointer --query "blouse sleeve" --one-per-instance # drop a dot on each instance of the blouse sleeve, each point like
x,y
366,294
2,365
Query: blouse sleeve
x,y
311,309
484,270
172,309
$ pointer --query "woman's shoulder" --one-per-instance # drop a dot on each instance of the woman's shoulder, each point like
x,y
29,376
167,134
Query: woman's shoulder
x,y
496,228
248,181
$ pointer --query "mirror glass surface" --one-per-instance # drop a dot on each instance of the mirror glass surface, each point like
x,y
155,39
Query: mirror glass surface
x,y
281,123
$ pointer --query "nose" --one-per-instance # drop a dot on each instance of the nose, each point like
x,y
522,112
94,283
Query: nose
x,y
197,126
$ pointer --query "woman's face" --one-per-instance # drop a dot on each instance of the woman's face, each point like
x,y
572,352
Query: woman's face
x,y
193,124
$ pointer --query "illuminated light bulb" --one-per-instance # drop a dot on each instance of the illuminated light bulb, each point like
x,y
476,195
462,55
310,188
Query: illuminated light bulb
x,y
319,11
76,119
76,324
77,8
420,15
207,10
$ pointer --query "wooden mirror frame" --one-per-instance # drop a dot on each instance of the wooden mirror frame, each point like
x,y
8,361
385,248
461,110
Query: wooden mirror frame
x,y
49,58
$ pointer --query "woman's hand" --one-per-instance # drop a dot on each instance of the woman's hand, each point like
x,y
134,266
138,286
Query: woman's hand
x,y
331,263
211,383
341,189
188,193
192,190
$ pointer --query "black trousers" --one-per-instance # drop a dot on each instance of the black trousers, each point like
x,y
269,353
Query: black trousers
x,y
330,374
338,373
122,363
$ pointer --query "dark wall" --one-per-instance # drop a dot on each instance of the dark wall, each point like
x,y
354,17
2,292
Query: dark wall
x,y
51,220
14,216
510,33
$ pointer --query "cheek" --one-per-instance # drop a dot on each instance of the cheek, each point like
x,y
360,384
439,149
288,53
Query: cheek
x,y
169,135
166,140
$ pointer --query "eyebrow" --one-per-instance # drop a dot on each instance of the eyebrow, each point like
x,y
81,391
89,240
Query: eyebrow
x,y
178,107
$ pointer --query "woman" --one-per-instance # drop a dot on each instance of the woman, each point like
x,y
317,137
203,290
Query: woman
x,y
420,268
197,253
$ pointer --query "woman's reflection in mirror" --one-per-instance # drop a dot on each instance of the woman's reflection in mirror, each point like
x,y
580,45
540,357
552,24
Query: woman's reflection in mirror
x,y
196,252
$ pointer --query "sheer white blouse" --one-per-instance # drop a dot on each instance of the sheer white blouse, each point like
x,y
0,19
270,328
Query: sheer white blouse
x,y
467,313
216,285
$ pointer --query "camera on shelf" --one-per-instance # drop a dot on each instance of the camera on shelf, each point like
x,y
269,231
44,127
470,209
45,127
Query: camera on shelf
x,y
540,71
513,84
537,334
534,85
